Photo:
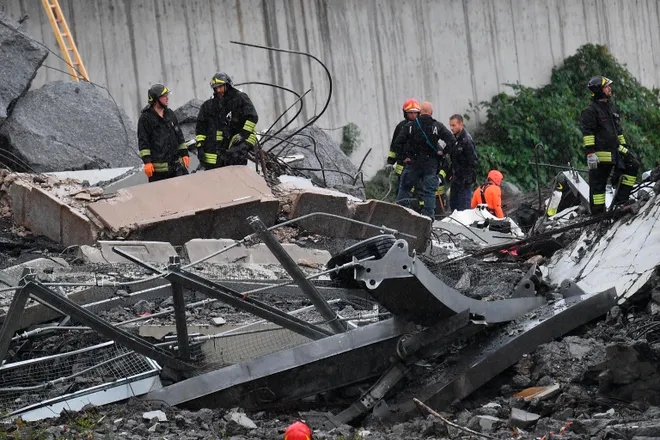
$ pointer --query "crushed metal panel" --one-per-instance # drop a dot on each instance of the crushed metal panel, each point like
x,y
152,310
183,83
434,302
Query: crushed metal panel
x,y
625,257
294,373
503,348
176,210
427,299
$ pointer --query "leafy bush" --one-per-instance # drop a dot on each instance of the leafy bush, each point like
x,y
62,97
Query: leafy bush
x,y
377,188
351,138
550,115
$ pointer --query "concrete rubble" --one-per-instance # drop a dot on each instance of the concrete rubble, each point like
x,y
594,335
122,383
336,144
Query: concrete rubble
x,y
26,55
68,126
229,303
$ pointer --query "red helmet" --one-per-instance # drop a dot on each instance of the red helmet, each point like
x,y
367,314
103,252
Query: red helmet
x,y
495,176
298,431
411,105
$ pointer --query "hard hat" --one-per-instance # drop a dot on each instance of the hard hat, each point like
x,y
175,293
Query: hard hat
x,y
596,86
298,431
411,105
495,176
156,91
219,79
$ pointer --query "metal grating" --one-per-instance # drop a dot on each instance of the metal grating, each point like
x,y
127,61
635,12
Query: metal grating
x,y
33,381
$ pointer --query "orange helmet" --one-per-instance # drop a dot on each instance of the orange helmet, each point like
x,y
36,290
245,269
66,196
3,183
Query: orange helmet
x,y
411,105
495,176
298,431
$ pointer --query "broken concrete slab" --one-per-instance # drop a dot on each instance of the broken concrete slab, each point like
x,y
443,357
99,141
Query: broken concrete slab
x,y
44,214
257,254
200,248
212,204
374,212
523,419
147,251
100,177
12,275
21,57
68,126
538,393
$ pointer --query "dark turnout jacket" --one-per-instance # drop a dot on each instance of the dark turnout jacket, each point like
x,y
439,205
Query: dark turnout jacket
x,y
601,130
418,140
160,139
221,118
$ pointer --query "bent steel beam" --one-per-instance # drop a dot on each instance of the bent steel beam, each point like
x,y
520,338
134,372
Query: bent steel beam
x,y
291,374
503,348
85,317
250,305
407,288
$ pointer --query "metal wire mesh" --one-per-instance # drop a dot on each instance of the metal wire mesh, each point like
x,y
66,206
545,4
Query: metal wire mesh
x,y
29,382
262,338
479,279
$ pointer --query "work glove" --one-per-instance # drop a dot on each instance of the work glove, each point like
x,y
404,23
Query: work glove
x,y
592,161
235,140
389,168
149,169
186,161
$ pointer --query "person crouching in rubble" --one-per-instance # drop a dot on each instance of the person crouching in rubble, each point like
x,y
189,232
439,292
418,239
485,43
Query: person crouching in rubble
x,y
490,194
607,151
418,146
162,147
226,123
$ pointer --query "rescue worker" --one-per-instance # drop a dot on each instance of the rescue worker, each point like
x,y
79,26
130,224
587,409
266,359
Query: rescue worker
x,y
417,146
226,123
490,194
606,147
463,155
160,139
298,431
411,109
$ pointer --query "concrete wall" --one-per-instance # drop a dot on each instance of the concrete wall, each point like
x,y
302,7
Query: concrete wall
x,y
380,52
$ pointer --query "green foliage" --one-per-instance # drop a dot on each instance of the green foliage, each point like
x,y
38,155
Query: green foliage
x,y
351,139
377,188
549,115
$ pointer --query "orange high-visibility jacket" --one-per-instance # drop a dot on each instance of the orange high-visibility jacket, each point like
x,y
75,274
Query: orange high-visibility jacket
x,y
491,195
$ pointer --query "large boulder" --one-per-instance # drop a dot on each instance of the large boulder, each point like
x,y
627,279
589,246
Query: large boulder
x,y
68,126
187,116
321,152
21,57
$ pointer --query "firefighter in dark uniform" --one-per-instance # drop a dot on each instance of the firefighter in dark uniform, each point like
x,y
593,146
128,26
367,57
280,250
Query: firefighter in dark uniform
x,y
160,138
417,145
225,125
606,147
411,109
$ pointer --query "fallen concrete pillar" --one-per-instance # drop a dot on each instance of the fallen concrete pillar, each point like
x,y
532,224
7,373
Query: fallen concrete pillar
x,y
147,251
257,254
21,57
212,204
375,212
44,214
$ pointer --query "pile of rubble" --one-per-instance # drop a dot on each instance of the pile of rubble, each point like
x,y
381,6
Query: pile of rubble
x,y
162,311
